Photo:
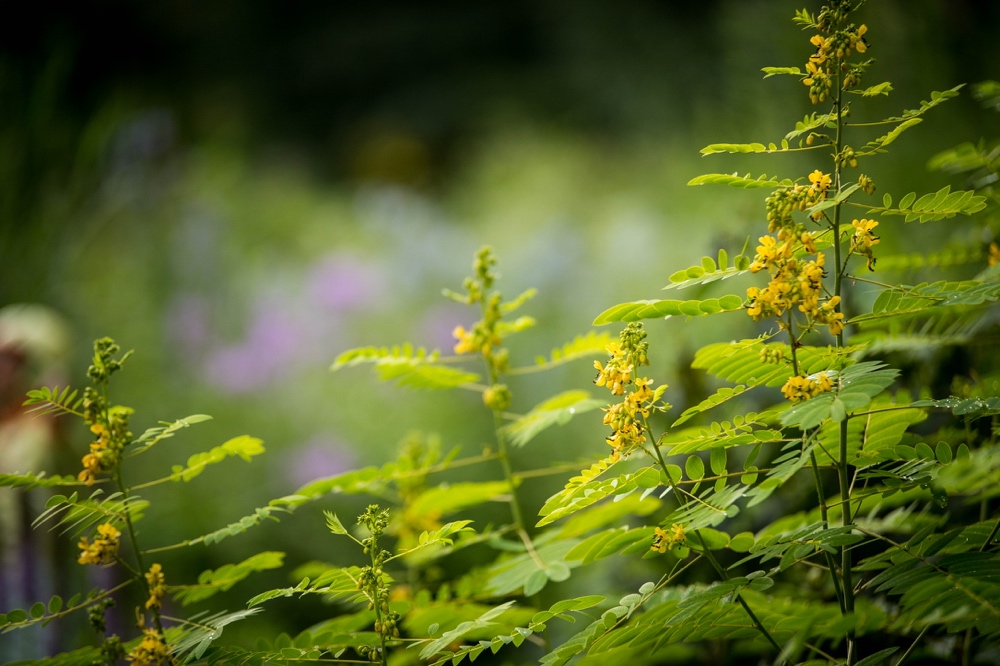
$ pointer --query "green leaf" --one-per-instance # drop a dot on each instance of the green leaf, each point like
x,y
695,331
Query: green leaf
x,y
334,525
716,148
722,395
37,610
557,410
668,308
589,488
938,205
225,577
40,480
244,446
582,346
166,430
449,637
54,400
717,461
745,182
872,91
773,71
878,658
410,367
694,468
447,498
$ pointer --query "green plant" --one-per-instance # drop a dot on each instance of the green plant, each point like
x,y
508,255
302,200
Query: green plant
x,y
843,520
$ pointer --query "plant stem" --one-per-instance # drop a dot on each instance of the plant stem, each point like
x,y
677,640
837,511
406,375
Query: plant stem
x,y
739,597
843,472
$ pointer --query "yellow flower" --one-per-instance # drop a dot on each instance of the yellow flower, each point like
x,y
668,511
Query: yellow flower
x,y
104,548
863,240
157,584
820,181
858,39
664,540
994,257
808,240
801,388
152,651
465,341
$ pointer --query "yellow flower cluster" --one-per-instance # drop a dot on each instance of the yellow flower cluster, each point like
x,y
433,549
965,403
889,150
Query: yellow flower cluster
x,y
863,240
664,540
840,44
112,437
151,651
801,388
157,584
103,550
617,374
781,203
994,256
793,283
626,418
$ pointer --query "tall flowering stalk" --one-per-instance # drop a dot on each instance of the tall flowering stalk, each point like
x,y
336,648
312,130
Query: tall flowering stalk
x,y
797,295
109,423
485,338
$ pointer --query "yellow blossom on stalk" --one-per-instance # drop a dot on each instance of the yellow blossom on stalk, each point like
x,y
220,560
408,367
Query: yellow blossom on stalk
x,y
858,42
103,549
616,374
626,418
820,181
152,651
769,253
994,257
802,388
863,240
664,540
827,315
822,46
464,344
808,240
157,584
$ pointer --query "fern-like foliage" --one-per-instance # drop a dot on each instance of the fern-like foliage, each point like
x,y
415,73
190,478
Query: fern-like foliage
x,y
582,346
578,495
410,367
190,640
244,446
639,310
559,610
722,395
710,271
225,577
557,410
166,430
744,182
55,400
938,205
30,480
76,514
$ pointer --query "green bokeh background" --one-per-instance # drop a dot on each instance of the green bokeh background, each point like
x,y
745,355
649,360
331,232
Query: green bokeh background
x,y
242,191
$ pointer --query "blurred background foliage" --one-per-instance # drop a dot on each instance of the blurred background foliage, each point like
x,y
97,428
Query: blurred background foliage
x,y
240,191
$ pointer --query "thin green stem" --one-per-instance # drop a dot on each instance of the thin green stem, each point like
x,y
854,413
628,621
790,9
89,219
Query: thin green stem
x,y
913,645
843,472
739,597
831,564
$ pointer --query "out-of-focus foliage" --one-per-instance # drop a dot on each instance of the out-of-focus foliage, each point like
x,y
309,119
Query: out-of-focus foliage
x,y
243,227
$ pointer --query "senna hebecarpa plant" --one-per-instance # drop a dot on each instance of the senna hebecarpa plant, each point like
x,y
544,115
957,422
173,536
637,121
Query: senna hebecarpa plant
x,y
832,502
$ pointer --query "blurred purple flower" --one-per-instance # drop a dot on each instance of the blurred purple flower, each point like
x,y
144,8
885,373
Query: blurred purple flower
x,y
321,456
271,345
341,282
438,323
187,323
